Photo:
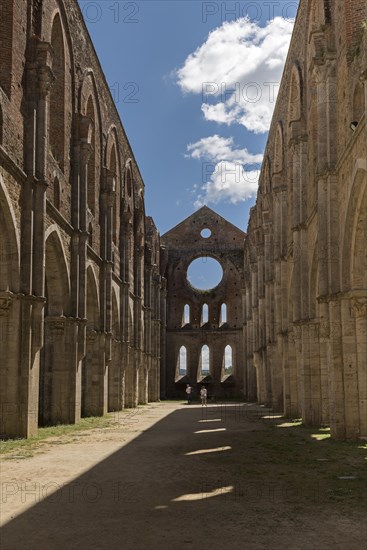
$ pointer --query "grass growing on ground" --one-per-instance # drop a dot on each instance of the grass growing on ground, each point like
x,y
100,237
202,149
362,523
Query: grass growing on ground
x,y
19,448
26,447
302,463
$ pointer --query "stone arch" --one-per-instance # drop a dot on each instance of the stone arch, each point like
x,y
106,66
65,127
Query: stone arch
x,y
89,107
186,315
278,150
204,314
114,172
139,239
43,27
128,182
204,362
9,243
10,346
126,224
57,127
223,316
56,274
131,370
115,314
54,379
354,245
92,164
93,365
266,176
115,369
182,363
228,361
93,304
295,95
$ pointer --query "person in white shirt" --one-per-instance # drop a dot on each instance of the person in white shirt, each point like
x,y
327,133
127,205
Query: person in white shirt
x,y
203,395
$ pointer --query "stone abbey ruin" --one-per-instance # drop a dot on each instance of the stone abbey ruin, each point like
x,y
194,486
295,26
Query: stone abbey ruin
x,y
96,311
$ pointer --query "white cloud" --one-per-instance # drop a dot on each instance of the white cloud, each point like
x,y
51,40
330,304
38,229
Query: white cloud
x,y
217,148
238,70
229,182
232,173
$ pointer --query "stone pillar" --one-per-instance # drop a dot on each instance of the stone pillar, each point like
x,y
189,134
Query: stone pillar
x,y
359,312
116,378
96,387
163,320
351,372
131,380
260,378
39,78
85,152
143,384
337,411
18,414
324,344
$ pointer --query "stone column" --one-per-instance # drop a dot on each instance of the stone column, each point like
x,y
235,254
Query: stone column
x,y
337,411
39,79
359,312
350,309
163,321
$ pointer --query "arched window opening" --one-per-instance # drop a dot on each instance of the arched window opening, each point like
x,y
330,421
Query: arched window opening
x,y
228,361
137,251
266,179
129,185
57,95
204,361
278,151
182,361
205,314
57,194
113,170
294,110
223,314
91,191
186,315
90,234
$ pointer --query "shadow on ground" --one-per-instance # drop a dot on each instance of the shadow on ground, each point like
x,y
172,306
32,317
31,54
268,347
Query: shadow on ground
x,y
201,478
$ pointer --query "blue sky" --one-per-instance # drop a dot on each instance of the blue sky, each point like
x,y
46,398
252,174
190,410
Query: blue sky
x,y
194,83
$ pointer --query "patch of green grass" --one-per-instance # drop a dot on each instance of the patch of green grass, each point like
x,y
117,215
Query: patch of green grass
x,y
24,447
302,460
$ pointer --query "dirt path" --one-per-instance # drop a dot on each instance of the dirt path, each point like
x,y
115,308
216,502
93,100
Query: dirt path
x,y
174,477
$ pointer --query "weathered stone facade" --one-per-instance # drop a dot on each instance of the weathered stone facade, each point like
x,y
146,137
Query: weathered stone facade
x,y
91,302
187,332
79,267
306,299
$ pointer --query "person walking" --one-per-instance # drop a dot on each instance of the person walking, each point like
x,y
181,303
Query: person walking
x,y
188,393
203,395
